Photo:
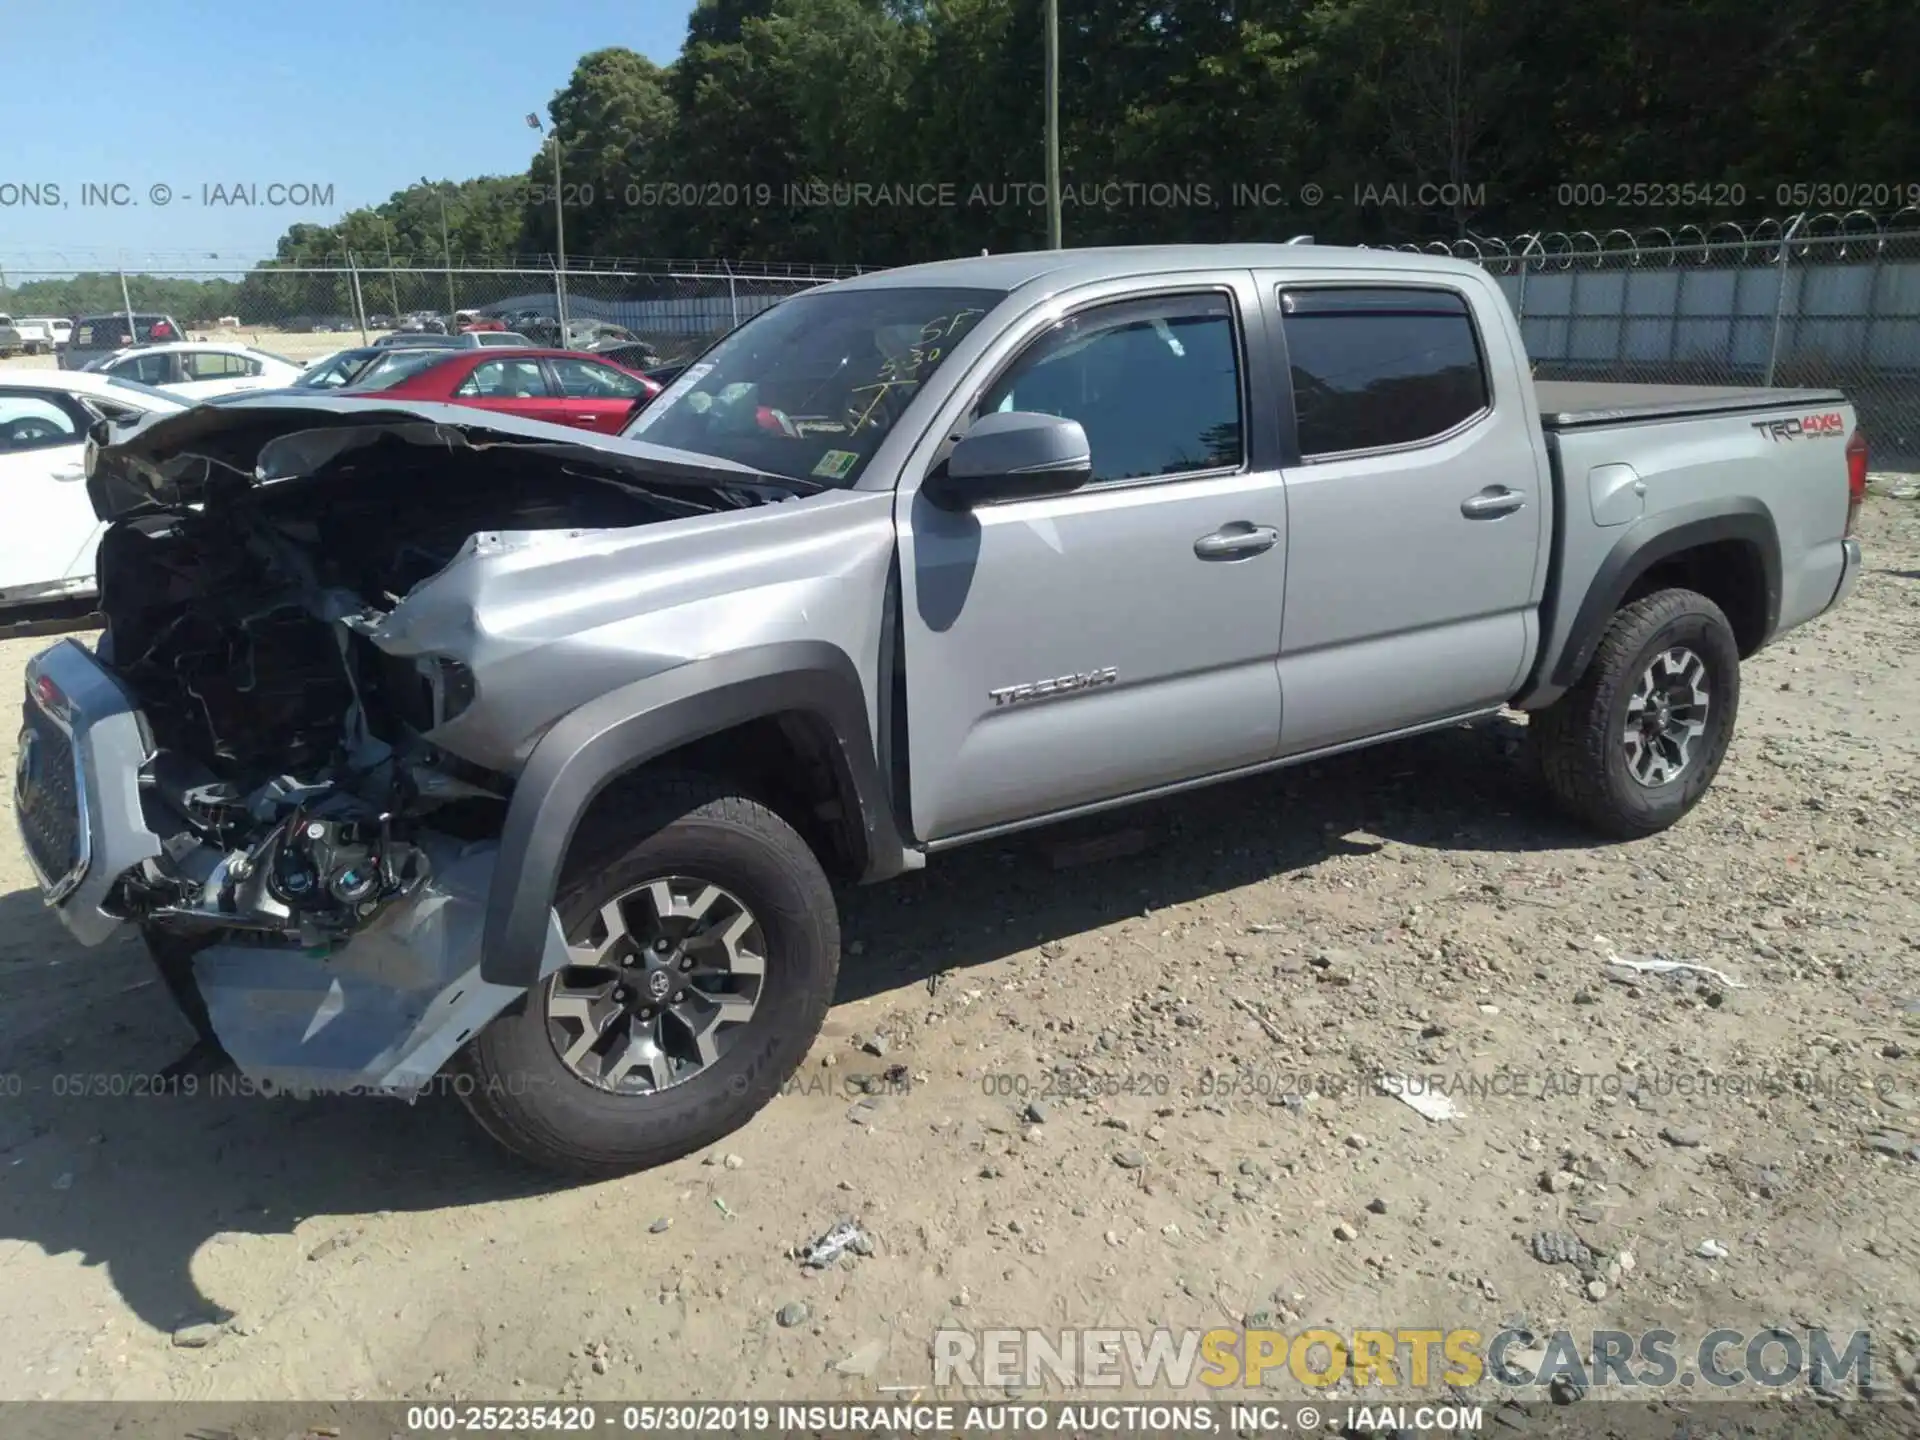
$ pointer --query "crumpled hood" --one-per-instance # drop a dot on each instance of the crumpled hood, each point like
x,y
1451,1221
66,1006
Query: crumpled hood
x,y
162,461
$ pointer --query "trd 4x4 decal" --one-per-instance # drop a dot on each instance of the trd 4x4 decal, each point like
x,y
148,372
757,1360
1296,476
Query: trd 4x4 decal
x,y
1812,426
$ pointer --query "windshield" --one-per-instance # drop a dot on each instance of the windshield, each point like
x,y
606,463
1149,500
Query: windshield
x,y
170,402
390,370
809,388
336,370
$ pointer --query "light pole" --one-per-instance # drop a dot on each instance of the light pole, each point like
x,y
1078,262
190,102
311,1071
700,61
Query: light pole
x,y
446,245
559,230
1053,124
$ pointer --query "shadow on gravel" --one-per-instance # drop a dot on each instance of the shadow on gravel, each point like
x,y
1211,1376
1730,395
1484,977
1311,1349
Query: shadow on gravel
x,y
94,1163
1464,789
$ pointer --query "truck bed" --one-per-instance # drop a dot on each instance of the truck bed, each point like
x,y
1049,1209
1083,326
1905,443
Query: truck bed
x,y
1572,404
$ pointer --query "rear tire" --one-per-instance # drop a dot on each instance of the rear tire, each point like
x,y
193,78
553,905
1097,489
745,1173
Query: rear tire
x,y
540,1084
1638,739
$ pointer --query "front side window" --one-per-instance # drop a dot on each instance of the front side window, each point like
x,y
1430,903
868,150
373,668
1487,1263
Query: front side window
x,y
809,387
36,422
146,369
587,380
1380,366
1154,383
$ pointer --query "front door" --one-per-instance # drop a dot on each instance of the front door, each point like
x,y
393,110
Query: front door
x,y
593,395
1072,649
1418,528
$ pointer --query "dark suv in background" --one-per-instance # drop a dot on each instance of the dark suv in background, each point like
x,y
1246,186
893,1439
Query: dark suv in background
x,y
95,336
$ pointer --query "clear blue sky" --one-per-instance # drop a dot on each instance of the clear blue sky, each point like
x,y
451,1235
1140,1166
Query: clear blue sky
x,y
367,96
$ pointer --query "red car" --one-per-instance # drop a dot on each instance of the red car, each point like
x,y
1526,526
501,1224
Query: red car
x,y
562,387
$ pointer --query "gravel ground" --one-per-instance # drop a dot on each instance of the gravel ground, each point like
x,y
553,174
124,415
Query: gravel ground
x,y
1131,1089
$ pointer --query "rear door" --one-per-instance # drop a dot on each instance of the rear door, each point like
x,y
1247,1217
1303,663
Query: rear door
x,y
511,385
593,396
1415,510
50,527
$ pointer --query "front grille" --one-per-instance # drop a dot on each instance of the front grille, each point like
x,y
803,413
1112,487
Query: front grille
x,y
46,800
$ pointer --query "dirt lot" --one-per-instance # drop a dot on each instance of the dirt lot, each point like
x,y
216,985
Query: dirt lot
x,y
1195,1026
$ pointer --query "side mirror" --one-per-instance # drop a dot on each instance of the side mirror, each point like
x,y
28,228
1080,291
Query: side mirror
x,y
1013,455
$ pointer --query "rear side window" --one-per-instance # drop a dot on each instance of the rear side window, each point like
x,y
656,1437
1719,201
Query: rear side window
x,y
506,380
207,365
1380,366
102,334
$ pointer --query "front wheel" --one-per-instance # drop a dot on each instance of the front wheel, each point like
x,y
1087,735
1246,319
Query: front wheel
x,y
1638,739
703,950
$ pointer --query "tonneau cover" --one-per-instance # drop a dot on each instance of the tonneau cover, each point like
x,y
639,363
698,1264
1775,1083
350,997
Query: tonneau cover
x,y
1566,404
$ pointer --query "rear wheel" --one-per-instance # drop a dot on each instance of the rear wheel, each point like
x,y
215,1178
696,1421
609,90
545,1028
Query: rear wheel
x,y
1636,742
704,947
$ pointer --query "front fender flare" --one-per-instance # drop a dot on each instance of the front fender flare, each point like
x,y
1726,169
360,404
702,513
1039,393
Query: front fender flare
x,y
583,752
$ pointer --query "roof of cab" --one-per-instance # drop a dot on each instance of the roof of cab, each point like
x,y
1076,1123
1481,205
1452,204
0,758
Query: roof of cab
x,y
1062,269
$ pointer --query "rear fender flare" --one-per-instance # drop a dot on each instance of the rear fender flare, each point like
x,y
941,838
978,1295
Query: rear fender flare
x,y
1657,538
586,750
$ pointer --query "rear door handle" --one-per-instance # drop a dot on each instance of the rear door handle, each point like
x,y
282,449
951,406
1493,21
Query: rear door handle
x,y
1491,503
1236,540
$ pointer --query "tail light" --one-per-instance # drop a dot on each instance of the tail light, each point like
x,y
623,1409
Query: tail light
x,y
1856,475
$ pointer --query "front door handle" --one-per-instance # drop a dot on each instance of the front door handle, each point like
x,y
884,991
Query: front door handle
x,y
1236,541
1491,503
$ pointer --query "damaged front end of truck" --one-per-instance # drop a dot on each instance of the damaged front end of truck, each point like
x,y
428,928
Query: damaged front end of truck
x,y
331,639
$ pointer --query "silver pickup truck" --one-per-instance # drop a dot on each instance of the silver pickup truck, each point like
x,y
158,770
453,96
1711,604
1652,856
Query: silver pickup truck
x,y
429,746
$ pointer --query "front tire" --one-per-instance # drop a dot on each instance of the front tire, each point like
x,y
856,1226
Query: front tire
x,y
706,944
1638,739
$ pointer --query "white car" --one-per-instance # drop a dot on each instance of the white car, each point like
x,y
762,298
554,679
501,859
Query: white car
x,y
50,532
60,329
37,336
199,370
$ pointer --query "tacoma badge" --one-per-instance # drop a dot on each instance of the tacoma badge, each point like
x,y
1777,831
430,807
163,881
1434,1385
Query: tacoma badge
x,y
1061,685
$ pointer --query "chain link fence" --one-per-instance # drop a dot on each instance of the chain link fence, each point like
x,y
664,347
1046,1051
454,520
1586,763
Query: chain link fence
x,y
673,308
1817,300
1826,300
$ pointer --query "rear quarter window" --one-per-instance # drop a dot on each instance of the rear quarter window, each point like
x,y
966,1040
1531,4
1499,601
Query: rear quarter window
x,y
1381,366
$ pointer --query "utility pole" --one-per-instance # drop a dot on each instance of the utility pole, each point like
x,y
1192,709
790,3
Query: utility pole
x,y
559,230
393,278
1053,124
446,245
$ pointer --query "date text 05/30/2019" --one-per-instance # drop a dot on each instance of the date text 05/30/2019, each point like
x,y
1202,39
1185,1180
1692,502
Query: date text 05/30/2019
x,y
1139,1417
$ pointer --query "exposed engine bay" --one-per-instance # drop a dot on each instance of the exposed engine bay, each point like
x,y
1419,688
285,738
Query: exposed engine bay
x,y
291,782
